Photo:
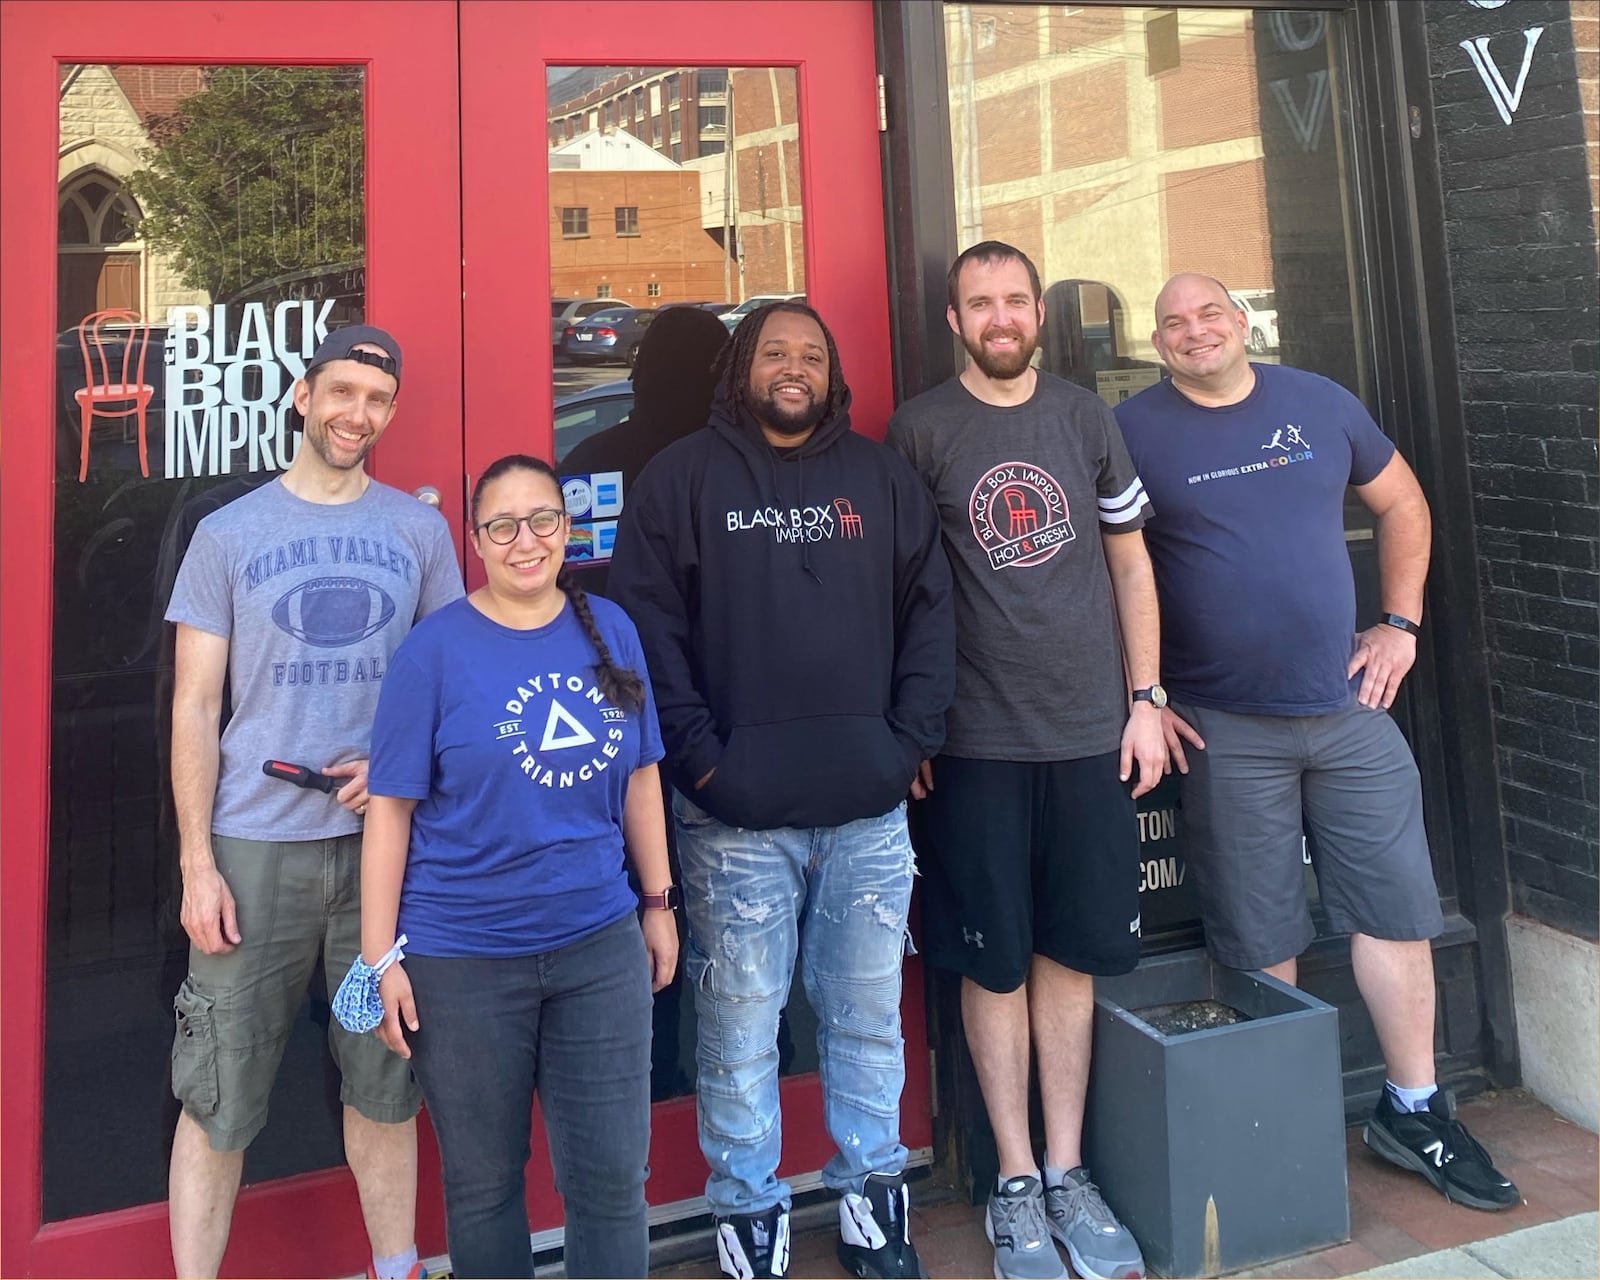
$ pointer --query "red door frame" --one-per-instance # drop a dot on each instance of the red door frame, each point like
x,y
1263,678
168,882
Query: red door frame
x,y
309,1224
505,51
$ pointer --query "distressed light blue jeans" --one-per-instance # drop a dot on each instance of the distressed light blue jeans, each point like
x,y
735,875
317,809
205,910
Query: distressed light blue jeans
x,y
837,897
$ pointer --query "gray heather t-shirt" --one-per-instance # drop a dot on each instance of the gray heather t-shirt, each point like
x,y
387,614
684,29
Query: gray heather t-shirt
x,y
1023,493
314,599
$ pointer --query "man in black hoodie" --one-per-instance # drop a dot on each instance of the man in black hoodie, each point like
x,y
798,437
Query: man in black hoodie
x,y
788,582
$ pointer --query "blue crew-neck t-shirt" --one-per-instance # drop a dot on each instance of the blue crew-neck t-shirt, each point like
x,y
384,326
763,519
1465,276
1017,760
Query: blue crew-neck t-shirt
x,y
1258,607
520,767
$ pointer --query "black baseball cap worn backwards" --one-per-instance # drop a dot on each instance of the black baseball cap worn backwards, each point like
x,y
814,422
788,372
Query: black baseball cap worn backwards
x,y
341,344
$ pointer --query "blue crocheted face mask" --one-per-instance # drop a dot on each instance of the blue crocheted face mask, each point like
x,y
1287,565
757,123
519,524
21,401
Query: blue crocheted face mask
x,y
357,1004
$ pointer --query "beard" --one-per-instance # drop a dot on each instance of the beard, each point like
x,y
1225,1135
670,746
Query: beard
x,y
786,420
1002,366
316,436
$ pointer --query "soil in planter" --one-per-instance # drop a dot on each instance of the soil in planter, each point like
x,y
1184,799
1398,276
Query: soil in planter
x,y
1190,1015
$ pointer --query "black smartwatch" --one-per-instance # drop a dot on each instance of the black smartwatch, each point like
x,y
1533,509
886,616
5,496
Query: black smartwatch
x,y
1400,624
666,900
1154,694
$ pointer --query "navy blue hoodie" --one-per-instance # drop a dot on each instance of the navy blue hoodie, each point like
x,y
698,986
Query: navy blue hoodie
x,y
795,609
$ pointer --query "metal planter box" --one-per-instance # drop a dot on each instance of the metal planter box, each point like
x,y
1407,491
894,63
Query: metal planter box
x,y
1248,1118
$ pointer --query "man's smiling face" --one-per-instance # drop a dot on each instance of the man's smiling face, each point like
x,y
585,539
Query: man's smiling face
x,y
1200,333
346,406
999,316
789,375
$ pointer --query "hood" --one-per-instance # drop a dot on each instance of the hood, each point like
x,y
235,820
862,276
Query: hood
x,y
742,430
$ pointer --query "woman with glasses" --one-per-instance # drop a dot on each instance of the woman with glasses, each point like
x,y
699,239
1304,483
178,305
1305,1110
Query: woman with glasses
x,y
513,765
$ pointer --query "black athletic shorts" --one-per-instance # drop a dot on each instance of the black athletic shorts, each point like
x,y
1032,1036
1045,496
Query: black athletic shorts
x,y
1022,858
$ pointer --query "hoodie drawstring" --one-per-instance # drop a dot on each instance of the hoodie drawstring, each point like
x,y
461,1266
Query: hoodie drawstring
x,y
777,493
805,545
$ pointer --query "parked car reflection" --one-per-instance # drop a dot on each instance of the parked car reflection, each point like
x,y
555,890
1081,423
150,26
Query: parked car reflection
x,y
1260,307
607,335
732,318
585,413
565,311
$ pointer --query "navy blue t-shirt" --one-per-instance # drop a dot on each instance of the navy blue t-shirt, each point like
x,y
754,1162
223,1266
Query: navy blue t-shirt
x,y
1258,606
520,766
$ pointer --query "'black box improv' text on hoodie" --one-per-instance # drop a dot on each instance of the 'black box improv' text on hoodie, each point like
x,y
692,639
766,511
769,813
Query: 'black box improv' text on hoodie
x,y
795,609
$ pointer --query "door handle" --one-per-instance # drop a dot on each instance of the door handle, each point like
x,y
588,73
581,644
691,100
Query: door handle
x,y
427,493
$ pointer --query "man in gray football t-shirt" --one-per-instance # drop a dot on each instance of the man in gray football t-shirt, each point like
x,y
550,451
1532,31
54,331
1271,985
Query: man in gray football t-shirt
x,y
312,598
295,597
1028,836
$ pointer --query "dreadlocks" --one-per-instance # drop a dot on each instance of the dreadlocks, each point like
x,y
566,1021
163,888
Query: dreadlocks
x,y
733,365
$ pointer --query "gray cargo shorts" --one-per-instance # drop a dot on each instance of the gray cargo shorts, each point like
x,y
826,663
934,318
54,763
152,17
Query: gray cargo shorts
x,y
296,900
1352,775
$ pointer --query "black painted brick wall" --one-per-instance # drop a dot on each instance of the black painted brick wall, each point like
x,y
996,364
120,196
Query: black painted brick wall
x,y
1520,235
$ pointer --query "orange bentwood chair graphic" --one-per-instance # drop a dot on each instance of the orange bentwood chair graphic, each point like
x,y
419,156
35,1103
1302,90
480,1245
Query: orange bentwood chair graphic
x,y
111,379
849,521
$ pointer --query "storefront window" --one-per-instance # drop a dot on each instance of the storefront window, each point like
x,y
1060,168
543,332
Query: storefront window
x,y
211,229
1117,146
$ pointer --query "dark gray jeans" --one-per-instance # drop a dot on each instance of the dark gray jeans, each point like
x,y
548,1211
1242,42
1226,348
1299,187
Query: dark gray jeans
x,y
573,1024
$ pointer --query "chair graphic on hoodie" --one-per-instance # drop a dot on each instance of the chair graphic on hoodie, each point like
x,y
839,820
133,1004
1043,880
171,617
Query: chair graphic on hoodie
x,y
849,521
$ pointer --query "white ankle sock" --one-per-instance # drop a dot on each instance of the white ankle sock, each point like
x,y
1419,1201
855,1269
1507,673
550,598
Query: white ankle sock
x,y
397,1267
1410,1099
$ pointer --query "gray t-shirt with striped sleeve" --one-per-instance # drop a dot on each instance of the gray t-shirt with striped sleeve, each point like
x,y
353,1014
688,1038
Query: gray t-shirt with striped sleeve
x,y
1024,494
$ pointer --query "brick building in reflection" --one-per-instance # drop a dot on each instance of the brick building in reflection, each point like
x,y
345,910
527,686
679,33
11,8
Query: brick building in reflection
x,y
730,229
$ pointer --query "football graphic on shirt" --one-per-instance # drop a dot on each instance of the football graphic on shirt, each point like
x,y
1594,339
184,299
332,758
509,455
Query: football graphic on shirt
x,y
331,613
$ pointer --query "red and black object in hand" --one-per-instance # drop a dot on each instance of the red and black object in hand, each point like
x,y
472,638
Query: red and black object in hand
x,y
301,776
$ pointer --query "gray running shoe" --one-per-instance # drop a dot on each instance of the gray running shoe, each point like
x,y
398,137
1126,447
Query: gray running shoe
x,y
1100,1247
1016,1226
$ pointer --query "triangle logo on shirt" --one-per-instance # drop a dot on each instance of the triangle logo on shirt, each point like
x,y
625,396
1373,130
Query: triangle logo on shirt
x,y
561,730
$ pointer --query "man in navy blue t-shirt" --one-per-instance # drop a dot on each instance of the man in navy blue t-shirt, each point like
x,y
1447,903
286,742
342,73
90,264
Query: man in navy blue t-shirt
x,y
1247,466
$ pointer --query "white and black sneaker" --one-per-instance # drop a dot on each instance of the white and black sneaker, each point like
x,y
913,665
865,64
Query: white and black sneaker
x,y
1437,1145
875,1230
754,1246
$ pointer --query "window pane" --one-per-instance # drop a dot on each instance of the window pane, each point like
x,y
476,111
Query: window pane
x,y
214,423
71,226
118,223
1118,146
713,220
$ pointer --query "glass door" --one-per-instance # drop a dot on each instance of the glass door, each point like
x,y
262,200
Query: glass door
x,y
689,155
194,195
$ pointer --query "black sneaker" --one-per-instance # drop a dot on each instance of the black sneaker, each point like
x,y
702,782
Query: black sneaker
x,y
1437,1145
875,1230
754,1245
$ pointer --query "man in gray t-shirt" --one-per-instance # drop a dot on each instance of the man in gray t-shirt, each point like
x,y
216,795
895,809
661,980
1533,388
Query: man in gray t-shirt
x,y
296,595
1027,835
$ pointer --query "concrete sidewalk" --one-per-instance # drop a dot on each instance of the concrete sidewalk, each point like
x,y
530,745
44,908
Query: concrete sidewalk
x,y
1564,1250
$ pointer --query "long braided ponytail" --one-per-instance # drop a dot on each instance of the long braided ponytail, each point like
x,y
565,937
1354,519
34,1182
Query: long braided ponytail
x,y
621,685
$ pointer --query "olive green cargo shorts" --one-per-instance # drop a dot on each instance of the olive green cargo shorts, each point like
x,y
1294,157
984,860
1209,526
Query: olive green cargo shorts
x,y
296,900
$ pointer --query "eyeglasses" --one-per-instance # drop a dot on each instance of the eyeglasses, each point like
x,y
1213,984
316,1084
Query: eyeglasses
x,y
502,530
